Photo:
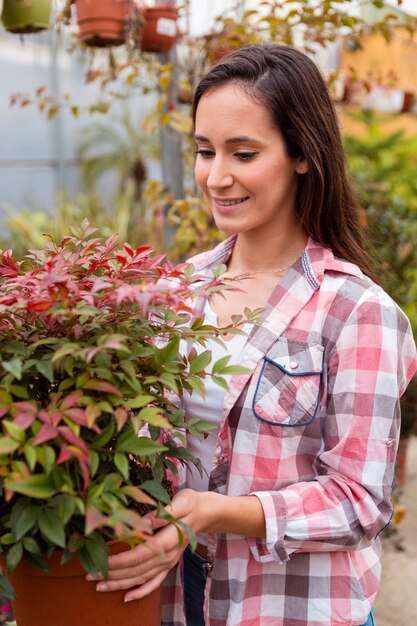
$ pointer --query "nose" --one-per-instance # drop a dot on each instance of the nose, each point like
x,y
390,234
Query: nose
x,y
219,175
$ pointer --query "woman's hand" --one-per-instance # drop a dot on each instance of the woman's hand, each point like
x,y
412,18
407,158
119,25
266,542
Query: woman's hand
x,y
143,568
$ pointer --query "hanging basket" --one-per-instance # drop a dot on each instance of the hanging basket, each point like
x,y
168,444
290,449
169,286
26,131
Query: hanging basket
x,y
63,597
26,16
103,23
160,28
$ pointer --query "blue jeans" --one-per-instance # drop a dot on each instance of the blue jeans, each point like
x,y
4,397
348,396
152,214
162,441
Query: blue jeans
x,y
370,621
195,575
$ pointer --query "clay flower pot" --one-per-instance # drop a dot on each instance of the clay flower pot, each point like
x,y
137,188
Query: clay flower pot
x,y
102,23
30,16
160,28
64,597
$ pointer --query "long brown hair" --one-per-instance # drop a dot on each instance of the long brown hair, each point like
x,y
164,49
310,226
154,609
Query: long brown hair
x,y
291,87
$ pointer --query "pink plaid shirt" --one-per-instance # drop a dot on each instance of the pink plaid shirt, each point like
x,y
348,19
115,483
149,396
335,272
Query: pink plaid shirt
x,y
313,433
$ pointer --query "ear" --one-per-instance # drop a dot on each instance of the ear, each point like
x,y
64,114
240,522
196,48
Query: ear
x,y
301,166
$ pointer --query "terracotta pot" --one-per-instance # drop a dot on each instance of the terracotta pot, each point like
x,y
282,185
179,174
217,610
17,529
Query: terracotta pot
x,y
102,23
160,28
407,102
63,597
26,17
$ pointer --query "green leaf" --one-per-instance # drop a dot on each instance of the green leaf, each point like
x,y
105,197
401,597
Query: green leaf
x,y
66,507
94,462
30,545
169,353
37,560
8,445
26,520
104,437
14,367
30,455
220,382
6,588
156,490
14,430
122,464
170,381
141,446
51,527
139,402
153,415
14,555
200,362
235,369
220,364
19,392
99,552
39,486
66,384
65,350
46,369
198,386
46,456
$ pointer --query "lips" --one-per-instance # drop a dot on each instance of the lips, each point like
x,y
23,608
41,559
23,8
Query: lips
x,y
226,202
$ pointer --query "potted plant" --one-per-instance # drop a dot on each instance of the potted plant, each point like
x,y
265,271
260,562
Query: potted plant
x,y
159,30
26,16
86,421
105,23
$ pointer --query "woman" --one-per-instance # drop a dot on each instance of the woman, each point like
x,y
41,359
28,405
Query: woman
x,y
303,459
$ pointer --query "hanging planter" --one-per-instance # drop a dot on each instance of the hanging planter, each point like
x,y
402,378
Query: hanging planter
x,y
64,597
160,28
103,23
26,16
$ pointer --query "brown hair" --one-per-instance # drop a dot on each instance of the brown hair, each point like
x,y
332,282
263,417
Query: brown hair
x,y
291,87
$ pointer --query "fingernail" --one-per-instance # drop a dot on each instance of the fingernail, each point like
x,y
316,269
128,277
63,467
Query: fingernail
x,y
127,599
89,577
101,587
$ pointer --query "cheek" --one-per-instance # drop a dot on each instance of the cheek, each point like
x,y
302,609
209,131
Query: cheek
x,y
201,174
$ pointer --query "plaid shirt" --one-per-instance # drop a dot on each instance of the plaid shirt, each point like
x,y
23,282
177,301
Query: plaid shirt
x,y
313,432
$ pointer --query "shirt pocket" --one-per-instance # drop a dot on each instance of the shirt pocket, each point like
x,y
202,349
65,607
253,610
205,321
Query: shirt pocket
x,y
288,389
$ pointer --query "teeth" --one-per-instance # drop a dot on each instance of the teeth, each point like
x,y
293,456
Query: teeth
x,y
230,202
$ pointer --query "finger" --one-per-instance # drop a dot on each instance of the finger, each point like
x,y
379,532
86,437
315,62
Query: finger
x,y
130,558
146,588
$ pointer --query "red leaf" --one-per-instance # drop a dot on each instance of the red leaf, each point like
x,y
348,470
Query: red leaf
x,y
77,415
40,306
102,385
46,433
71,399
121,417
65,455
72,438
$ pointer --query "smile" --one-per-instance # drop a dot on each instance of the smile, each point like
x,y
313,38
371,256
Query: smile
x,y
229,202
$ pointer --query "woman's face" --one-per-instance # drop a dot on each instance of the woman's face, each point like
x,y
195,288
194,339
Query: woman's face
x,y
242,164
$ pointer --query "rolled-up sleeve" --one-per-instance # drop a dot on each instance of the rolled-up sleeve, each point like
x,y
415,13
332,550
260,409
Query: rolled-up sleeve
x,y
348,502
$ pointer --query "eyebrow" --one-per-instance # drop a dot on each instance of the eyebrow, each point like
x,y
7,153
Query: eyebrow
x,y
242,139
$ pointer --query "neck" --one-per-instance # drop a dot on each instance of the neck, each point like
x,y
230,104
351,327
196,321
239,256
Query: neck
x,y
269,256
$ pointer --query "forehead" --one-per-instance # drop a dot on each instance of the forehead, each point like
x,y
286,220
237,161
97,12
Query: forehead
x,y
231,106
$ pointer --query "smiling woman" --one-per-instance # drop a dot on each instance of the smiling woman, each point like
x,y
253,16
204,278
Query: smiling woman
x,y
298,468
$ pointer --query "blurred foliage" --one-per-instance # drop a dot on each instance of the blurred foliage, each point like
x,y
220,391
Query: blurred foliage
x,y
383,167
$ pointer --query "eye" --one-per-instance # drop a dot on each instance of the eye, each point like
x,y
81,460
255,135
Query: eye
x,y
245,156
204,152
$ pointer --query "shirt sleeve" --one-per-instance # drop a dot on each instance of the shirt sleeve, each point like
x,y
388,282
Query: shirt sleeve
x,y
348,503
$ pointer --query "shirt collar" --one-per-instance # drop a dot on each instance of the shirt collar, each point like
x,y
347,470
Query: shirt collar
x,y
316,260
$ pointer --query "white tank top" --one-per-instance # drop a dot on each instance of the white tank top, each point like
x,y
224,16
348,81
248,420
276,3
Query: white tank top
x,y
210,408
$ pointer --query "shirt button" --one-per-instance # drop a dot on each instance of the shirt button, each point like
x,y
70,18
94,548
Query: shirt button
x,y
293,365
